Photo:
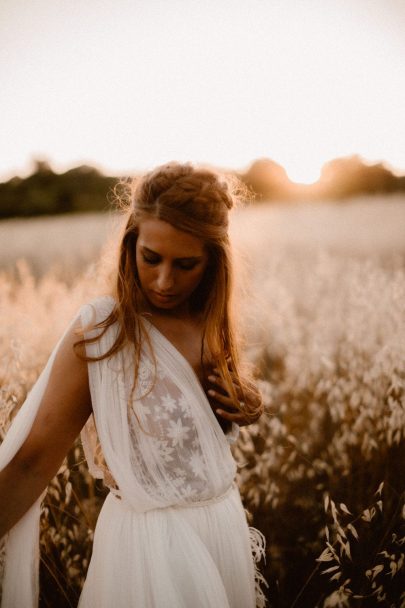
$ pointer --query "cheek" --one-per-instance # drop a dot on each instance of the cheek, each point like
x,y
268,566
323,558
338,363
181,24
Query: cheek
x,y
196,279
144,272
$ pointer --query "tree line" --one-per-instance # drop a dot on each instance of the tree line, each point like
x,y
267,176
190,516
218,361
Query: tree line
x,y
84,188
340,178
45,192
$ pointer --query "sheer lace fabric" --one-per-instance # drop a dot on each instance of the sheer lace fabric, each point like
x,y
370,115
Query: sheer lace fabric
x,y
165,447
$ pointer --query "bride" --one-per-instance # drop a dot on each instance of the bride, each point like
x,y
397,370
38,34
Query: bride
x,y
151,375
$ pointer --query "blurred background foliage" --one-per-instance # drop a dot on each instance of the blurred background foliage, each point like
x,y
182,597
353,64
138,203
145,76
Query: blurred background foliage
x,y
84,188
46,193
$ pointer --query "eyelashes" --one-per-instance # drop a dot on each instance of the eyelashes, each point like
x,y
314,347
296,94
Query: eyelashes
x,y
152,261
184,266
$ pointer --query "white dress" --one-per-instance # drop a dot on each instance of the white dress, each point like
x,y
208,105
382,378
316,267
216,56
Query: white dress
x,y
172,532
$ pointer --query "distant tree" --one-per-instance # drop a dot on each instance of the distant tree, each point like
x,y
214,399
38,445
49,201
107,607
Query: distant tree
x,y
340,178
350,176
267,179
45,192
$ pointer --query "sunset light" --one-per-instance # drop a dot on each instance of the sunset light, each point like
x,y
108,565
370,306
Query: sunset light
x,y
303,174
218,82
202,218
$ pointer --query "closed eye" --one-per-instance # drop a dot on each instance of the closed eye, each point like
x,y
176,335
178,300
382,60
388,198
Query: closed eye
x,y
184,265
149,259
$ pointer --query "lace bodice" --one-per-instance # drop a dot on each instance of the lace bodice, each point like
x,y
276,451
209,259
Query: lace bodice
x,y
162,444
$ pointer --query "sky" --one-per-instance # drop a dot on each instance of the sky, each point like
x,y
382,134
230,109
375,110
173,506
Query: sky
x,y
125,85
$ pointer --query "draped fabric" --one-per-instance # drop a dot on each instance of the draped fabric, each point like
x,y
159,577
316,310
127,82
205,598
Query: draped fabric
x,y
19,583
172,532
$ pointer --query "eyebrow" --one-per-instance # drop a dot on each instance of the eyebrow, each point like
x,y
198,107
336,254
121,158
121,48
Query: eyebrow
x,y
194,258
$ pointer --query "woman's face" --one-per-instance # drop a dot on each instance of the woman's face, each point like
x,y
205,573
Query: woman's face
x,y
170,263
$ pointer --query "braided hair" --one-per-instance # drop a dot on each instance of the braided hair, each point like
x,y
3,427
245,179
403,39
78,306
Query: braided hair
x,y
197,201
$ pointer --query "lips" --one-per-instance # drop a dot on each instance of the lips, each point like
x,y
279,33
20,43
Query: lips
x,y
164,296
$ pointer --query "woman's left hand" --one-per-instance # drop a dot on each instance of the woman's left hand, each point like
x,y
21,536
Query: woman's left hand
x,y
225,407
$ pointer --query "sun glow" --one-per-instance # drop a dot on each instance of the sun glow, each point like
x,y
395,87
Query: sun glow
x,y
303,87
303,173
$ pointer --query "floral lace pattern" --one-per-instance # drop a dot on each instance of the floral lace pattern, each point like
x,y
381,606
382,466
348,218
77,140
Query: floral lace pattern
x,y
163,426
160,440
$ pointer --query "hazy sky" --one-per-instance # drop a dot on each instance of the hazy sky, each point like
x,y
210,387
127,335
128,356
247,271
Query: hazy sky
x,y
128,84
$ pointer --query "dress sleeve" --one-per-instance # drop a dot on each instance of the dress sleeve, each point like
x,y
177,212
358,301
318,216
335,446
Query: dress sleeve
x,y
19,574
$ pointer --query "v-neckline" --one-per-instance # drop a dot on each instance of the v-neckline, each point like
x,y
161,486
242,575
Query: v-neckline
x,y
174,349
166,340
188,369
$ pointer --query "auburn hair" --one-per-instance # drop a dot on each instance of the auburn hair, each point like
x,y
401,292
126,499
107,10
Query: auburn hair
x,y
197,201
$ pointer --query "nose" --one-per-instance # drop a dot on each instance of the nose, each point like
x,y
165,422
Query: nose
x,y
165,279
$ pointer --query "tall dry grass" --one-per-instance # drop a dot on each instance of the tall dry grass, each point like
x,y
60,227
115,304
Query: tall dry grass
x,y
334,432
323,472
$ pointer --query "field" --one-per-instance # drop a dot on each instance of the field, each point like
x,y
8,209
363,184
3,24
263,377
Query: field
x,y
322,301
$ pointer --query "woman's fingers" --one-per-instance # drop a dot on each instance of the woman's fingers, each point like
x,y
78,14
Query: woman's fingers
x,y
223,399
231,413
231,373
218,381
238,417
214,379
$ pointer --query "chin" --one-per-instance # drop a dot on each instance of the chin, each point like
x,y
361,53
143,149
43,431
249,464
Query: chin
x,y
164,306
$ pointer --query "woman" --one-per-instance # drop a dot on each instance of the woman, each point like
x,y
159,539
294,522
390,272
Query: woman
x,y
154,382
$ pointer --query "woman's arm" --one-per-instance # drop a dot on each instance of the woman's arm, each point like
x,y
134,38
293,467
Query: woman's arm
x,y
64,409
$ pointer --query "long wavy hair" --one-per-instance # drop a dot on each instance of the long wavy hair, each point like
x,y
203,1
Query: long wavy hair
x,y
197,201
